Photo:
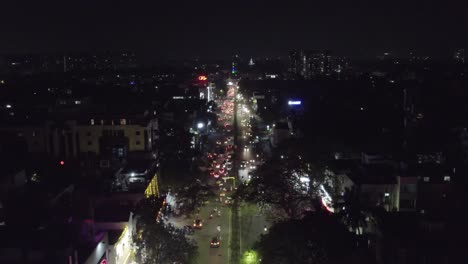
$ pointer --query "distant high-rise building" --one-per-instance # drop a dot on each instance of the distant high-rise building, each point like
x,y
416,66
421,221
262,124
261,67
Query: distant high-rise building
x,y
459,55
307,64
300,63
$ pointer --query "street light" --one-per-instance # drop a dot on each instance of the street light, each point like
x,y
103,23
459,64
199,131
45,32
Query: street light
x,y
200,125
250,257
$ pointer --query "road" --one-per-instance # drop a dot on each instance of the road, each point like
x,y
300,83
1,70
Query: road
x,y
209,231
240,226
218,226
251,221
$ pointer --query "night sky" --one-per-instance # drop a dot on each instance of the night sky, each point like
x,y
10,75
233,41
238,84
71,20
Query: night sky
x,y
218,28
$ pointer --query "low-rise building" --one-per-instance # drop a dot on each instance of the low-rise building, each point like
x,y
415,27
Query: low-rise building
x,y
104,133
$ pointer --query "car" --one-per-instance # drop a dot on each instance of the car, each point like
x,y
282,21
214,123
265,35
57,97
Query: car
x,y
197,224
215,243
243,164
228,200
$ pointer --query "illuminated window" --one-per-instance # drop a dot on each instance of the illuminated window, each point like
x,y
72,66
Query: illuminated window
x,y
91,122
426,179
446,178
123,121
34,133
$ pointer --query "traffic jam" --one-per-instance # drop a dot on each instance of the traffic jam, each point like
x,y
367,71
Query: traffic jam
x,y
220,154
221,167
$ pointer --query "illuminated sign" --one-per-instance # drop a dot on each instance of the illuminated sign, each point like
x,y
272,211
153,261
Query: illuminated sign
x,y
294,102
202,78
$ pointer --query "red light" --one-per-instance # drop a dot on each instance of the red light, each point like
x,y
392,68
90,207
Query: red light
x,y
202,78
328,208
62,162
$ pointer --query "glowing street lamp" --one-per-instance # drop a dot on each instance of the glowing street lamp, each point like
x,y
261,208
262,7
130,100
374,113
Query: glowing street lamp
x,y
250,257
200,125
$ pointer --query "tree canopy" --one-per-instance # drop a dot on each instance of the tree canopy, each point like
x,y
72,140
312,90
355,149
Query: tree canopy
x,y
193,196
283,184
158,242
316,239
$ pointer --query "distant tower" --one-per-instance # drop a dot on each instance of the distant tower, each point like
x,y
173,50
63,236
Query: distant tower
x,y
251,62
235,63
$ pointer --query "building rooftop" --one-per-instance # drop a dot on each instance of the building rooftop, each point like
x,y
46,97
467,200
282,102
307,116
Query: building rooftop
x,y
137,166
374,174
435,172
118,211
53,237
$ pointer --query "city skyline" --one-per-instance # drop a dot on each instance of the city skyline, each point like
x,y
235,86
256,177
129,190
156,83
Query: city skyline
x,y
233,132
206,29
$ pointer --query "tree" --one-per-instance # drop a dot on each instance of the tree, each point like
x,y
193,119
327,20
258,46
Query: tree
x,y
317,239
157,242
351,211
193,196
281,183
